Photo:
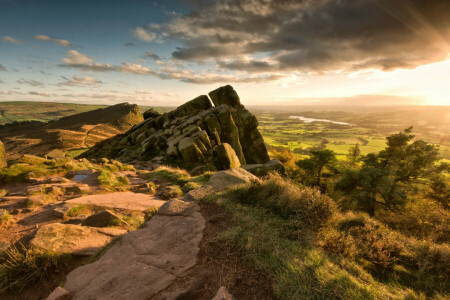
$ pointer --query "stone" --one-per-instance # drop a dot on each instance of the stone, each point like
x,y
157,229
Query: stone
x,y
151,113
61,211
122,200
144,262
60,294
225,95
73,239
3,212
176,207
223,294
77,220
224,179
227,157
3,163
56,154
264,169
104,218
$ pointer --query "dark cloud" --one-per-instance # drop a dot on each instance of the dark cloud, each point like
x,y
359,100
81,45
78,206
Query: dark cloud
x,y
129,44
151,55
30,82
2,68
316,36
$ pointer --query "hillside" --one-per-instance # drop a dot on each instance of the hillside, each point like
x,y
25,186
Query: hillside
x,y
78,131
19,111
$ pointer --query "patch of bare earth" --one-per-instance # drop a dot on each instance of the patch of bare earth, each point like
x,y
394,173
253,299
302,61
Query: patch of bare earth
x,y
222,265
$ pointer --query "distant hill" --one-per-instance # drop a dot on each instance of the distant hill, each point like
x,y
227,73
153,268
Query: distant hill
x,y
40,111
77,131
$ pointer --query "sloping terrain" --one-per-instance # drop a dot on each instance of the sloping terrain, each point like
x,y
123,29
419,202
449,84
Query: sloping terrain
x,y
78,131
19,111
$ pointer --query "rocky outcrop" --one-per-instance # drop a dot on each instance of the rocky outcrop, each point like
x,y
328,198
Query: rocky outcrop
x,y
264,169
151,113
2,156
195,134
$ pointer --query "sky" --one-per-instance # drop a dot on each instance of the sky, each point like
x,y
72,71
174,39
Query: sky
x,y
273,52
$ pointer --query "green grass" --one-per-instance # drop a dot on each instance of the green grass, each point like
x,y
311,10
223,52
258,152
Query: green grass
x,y
20,268
179,177
311,251
112,181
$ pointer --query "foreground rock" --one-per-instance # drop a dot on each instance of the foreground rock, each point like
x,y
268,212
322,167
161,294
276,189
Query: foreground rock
x,y
103,219
74,239
146,261
60,294
219,181
122,200
192,134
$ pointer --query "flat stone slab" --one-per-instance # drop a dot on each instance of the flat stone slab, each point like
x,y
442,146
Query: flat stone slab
x,y
144,262
74,239
123,200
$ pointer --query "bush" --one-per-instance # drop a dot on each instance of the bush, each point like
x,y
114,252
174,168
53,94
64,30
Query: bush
x,y
21,268
305,206
112,181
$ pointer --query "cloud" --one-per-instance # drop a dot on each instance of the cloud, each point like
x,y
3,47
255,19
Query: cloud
x,y
75,59
1,81
147,92
12,40
143,35
46,38
80,81
42,94
129,44
30,82
151,55
2,68
260,36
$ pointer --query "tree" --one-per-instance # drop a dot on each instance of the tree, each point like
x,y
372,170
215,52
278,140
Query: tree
x,y
316,163
384,178
354,153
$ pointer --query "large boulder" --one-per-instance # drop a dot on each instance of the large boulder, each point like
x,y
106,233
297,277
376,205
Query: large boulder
x,y
190,135
73,239
227,157
2,156
104,218
264,169
151,113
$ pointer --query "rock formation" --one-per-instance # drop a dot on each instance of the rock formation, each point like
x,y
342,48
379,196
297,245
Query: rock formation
x,y
197,136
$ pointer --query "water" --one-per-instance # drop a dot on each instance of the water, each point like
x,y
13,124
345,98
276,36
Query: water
x,y
79,177
310,120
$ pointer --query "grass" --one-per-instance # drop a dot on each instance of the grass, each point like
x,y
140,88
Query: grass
x,y
20,268
180,177
311,251
30,166
5,219
112,181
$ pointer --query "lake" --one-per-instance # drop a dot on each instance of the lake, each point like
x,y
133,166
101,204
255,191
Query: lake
x,y
309,120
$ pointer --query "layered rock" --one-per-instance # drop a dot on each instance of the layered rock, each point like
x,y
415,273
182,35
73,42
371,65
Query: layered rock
x,y
196,134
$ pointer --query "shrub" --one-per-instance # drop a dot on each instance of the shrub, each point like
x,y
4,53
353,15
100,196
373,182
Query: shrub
x,y
305,206
21,268
112,181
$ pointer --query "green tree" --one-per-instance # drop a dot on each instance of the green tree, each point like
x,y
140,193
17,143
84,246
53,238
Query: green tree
x,y
354,153
316,163
384,178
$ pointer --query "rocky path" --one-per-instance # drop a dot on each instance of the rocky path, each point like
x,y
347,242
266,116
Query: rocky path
x,y
144,262
154,262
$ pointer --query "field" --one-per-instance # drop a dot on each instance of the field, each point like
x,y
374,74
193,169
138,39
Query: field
x,y
369,130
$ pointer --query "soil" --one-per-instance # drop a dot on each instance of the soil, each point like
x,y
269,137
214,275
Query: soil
x,y
222,265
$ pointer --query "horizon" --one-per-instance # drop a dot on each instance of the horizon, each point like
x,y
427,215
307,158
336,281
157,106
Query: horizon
x,y
164,53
